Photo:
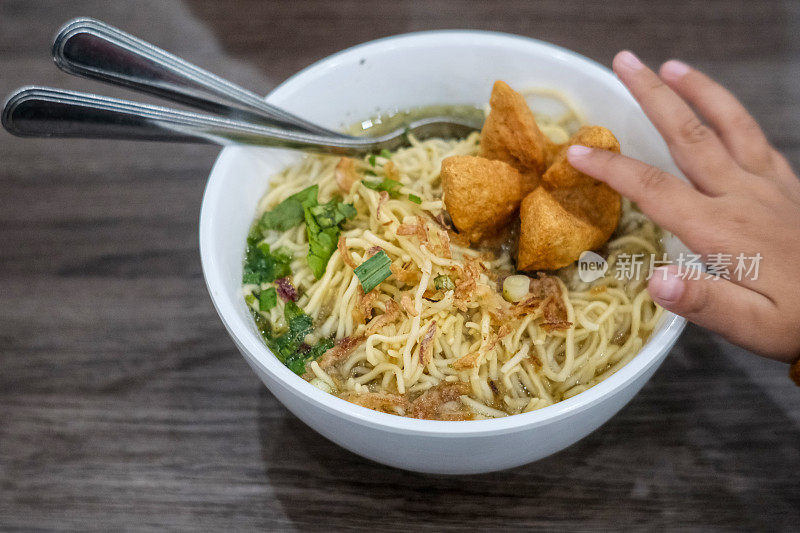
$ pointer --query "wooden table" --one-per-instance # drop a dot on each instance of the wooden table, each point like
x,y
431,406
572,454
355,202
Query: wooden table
x,y
123,403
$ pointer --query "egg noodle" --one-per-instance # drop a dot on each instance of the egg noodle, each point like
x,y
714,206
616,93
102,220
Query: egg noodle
x,y
464,345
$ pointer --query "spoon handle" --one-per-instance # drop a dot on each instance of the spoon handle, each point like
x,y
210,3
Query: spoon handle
x,y
92,49
47,112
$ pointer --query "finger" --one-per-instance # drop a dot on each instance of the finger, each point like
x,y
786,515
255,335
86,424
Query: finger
x,y
695,148
737,129
670,202
787,177
731,310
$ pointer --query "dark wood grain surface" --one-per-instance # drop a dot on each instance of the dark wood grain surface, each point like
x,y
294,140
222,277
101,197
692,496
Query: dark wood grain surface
x,y
124,405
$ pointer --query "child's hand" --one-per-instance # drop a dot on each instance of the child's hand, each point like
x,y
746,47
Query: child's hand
x,y
745,199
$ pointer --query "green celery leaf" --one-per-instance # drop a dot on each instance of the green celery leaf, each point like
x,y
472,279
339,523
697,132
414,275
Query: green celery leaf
x,y
299,325
289,213
267,299
260,266
322,346
297,362
289,346
321,246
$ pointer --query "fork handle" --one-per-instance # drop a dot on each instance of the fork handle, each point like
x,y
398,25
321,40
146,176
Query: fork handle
x,y
48,112
93,49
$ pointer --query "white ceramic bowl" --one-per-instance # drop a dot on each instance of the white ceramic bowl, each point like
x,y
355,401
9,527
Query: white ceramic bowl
x,y
406,71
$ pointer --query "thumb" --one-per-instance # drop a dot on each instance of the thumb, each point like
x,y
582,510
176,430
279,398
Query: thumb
x,y
737,313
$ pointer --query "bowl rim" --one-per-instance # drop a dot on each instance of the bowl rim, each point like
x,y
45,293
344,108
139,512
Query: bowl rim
x,y
256,352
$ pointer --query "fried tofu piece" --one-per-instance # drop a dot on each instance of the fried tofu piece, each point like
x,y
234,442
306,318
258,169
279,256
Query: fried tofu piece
x,y
571,212
561,174
510,134
557,226
481,195
595,203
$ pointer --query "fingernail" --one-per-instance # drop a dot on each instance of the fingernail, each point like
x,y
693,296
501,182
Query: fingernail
x,y
665,286
577,151
628,60
674,69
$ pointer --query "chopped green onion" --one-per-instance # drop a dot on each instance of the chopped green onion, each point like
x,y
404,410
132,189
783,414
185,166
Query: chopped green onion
x,y
414,198
323,229
267,299
373,271
332,213
250,299
516,287
442,282
372,159
389,185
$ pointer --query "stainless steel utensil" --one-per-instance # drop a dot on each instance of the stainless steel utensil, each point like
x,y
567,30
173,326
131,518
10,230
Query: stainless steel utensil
x,y
48,112
93,49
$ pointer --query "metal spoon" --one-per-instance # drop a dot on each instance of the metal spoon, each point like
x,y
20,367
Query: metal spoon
x,y
47,112
93,49
96,50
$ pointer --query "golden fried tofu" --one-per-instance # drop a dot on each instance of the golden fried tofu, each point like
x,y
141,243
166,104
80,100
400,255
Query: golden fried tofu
x,y
557,226
481,195
510,134
596,203
561,174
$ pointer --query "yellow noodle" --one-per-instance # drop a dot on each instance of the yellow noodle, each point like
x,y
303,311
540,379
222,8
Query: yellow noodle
x,y
530,367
